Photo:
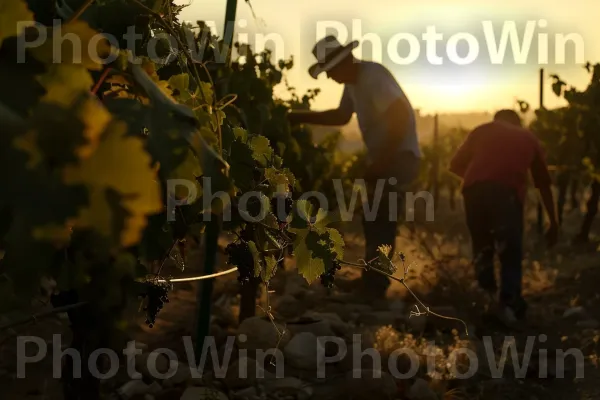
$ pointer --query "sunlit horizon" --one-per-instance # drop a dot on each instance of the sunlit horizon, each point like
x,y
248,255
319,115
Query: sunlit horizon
x,y
447,88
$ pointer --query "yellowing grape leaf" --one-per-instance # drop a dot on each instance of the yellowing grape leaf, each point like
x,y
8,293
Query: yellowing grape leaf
x,y
14,17
28,144
95,118
120,180
68,86
64,83
59,135
74,43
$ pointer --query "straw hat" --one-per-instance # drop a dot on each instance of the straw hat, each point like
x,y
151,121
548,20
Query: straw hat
x,y
329,52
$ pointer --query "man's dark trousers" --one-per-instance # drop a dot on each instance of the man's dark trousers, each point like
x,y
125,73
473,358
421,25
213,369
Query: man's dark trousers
x,y
494,216
380,228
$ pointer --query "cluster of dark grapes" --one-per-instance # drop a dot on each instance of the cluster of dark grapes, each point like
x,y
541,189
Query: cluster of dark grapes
x,y
328,277
276,203
156,296
239,254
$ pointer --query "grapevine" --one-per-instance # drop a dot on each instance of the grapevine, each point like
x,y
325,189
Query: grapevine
x,y
89,150
328,277
156,295
238,254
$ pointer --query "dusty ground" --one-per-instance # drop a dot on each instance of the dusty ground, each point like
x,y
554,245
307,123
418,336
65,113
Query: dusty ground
x,y
438,252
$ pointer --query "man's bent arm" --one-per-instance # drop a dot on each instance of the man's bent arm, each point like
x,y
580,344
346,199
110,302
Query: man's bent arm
x,y
335,117
462,157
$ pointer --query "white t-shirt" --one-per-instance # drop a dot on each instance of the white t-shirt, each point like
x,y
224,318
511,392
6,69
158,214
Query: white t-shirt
x,y
369,97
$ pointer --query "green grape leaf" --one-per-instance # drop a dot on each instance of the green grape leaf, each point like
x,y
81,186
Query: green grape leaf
x,y
216,119
206,92
278,180
270,268
181,83
241,134
122,187
241,164
188,170
256,257
261,151
304,217
384,256
209,135
334,240
13,13
316,246
255,207
308,254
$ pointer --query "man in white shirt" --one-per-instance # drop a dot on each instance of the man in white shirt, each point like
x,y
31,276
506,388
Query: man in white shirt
x,y
388,126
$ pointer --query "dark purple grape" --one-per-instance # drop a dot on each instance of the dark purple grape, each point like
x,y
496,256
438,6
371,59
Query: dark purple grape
x,y
239,255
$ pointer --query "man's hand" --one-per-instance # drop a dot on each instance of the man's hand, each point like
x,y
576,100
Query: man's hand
x,y
552,235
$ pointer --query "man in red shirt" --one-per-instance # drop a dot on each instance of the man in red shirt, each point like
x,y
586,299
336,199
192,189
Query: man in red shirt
x,y
494,162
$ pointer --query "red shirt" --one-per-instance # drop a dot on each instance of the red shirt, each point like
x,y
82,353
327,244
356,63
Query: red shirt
x,y
503,153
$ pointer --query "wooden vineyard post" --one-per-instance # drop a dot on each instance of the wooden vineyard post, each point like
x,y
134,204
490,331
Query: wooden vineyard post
x,y
211,243
540,211
213,228
436,161
229,27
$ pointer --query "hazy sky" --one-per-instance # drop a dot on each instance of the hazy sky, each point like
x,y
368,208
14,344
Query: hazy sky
x,y
478,86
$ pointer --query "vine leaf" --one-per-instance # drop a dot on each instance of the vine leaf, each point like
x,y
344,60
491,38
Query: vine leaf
x,y
241,161
280,180
270,268
385,259
79,53
240,133
304,217
316,246
261,151
256,257
557,85
64,83
308,263
12,15
113,194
